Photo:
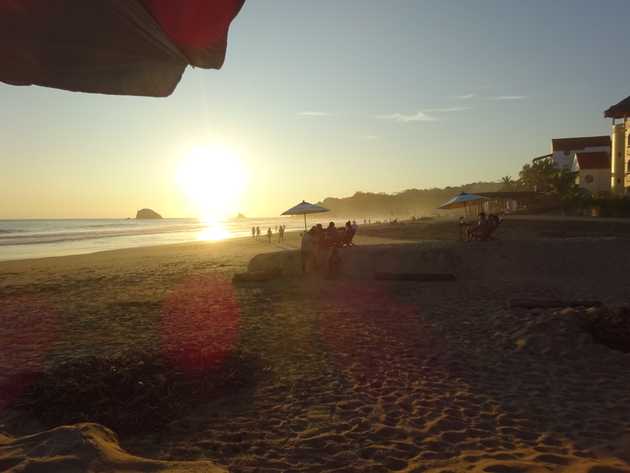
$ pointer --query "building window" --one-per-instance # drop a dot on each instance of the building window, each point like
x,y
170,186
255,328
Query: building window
x,y
589,179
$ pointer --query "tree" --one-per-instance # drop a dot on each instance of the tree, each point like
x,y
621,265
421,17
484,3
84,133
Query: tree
x,y
544,176
563,183
538,176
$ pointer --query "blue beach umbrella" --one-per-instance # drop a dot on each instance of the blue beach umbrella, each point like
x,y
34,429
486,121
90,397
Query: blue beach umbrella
x,y
463,200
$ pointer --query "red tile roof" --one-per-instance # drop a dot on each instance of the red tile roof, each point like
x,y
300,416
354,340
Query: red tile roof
x,y
576,144
599,160
620,110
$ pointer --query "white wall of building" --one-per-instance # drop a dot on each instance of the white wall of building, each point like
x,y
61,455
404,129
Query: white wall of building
x,y
594,180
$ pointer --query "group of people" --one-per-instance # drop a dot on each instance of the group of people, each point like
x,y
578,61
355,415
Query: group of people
x,y
280,230
481,230
318,241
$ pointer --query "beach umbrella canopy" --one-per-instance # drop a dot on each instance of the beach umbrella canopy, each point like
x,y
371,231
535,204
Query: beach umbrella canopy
x,y
305,208
120,47
461,200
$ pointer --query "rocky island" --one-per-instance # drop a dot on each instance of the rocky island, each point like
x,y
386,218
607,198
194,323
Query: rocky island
x,y
144,214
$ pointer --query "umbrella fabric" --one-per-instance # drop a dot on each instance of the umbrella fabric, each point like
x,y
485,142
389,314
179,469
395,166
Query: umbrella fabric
x,y
199,28
461,200
305,208
122,47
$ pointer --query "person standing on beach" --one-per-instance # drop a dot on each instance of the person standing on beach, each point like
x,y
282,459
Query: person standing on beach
x,y
269,233
257,232
253,232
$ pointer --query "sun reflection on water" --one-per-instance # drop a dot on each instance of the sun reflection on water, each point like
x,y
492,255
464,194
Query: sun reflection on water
x,y
213,232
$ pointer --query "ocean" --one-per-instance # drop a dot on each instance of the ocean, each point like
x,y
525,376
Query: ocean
x,y
23,239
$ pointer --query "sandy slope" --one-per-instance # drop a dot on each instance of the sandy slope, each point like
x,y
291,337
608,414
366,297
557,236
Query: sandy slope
x,y
83,448
359,375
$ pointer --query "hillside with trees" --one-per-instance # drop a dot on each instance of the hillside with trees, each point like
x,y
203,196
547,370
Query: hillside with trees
x,y
407,203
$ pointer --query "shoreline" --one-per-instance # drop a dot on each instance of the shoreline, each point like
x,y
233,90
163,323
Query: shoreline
x,y
49,239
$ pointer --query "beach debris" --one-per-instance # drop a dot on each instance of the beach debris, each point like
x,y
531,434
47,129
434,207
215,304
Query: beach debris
x,y
569,329
551,303
420,277
84,447
610,327
132,392
257,276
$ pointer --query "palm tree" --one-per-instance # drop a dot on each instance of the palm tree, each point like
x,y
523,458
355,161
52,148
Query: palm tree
x,y
508,183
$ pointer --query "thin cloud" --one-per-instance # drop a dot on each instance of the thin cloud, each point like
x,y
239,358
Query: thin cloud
x,y
426,115
466,96
314,114
510,97
446,110
402,118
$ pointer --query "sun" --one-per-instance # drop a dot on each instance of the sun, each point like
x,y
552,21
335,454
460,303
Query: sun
x,y
213,178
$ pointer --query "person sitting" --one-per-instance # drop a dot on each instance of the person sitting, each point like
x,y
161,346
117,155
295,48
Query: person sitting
x,y
319,244
331,236
493,223
477,230
348,234
307,249
494,220
485,228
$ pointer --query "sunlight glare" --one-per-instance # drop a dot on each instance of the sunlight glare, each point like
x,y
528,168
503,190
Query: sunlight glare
x,y
213,232
213,179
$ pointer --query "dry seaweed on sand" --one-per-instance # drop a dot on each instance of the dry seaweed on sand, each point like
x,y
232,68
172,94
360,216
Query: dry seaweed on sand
x,y
132,392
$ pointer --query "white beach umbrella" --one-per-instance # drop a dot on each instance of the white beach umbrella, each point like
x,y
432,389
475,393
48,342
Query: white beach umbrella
x,y
305,208
462,200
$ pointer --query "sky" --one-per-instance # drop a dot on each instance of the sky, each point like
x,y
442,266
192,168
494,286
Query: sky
x,y
327,98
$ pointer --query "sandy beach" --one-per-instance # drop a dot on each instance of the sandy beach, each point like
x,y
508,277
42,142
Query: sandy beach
x,y
345,375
